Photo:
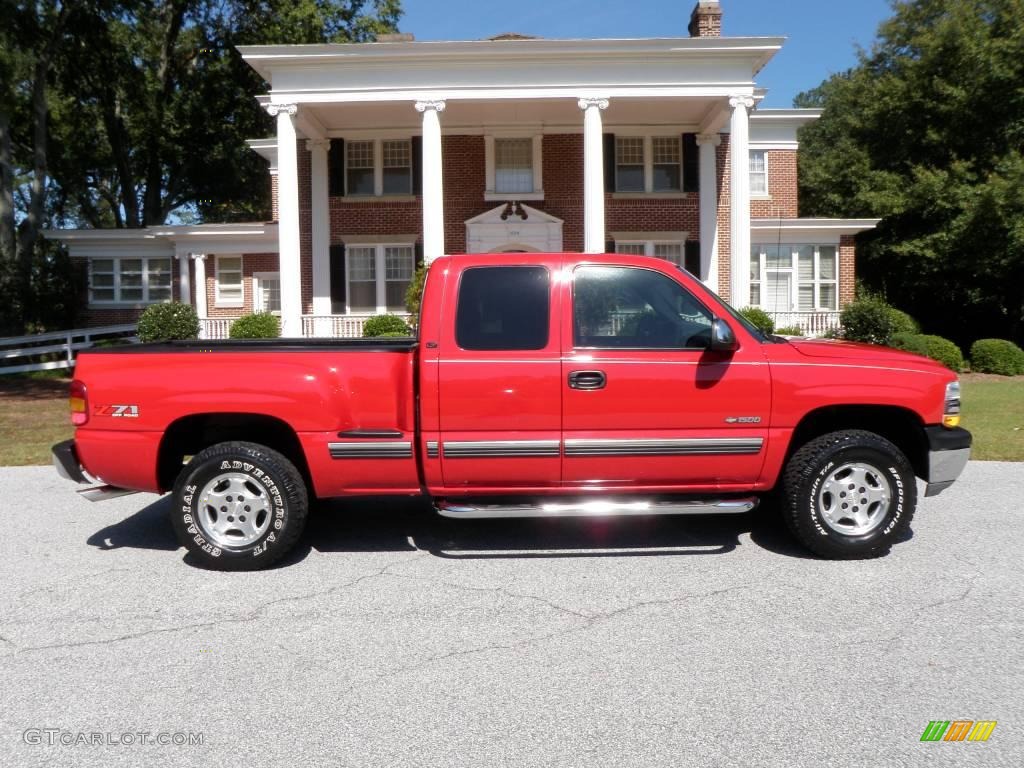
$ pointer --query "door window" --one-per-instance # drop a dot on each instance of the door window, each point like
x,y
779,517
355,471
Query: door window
x,y
626,307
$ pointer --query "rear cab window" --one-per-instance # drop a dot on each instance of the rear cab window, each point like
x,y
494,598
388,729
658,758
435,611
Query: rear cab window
x,y
503,308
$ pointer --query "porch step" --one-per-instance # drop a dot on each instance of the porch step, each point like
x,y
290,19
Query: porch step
x,y
596,507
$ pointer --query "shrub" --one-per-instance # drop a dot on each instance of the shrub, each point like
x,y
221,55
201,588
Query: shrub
x,y
789,330
414,293
164,322
869,320
909,342
392,334
385,324
902,322
259,325
761,319
997,356
935,347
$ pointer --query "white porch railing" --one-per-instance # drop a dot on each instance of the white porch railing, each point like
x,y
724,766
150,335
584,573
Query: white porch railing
x,y
215,327
313,326
811,323
52,351
337,326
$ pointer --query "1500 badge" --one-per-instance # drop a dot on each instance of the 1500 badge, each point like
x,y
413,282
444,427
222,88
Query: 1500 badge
x,y
743,420
118,411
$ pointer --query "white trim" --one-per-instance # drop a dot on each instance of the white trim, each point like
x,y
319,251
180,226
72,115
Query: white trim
x,y
809,231
218,300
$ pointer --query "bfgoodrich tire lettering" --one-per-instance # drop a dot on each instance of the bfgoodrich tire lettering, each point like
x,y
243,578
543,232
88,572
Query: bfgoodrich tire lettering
x,y
879,481
254,487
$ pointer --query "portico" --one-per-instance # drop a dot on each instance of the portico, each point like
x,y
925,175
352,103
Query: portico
x,y
511,88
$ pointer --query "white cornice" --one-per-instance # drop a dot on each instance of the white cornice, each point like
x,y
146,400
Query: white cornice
x,y
811,227
254,237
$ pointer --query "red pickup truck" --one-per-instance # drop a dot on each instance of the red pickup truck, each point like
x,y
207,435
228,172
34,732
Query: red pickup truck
x,y
540,385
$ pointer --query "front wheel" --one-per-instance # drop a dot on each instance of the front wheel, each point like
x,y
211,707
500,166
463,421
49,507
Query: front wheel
x,y
849,495
239,506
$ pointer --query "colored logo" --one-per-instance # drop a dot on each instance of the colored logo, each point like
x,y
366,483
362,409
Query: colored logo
x,y
958,730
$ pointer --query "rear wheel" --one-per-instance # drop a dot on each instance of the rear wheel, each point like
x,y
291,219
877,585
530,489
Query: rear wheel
x,y
849,495
239,506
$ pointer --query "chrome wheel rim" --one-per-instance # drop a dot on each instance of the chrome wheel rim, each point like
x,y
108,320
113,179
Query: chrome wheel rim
x,y
234,510
854,498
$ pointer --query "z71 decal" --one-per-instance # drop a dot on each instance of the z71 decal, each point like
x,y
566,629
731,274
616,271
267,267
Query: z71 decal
x,y
118,411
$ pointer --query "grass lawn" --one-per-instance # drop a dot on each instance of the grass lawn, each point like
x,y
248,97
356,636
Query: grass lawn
x,y
34,416
993,410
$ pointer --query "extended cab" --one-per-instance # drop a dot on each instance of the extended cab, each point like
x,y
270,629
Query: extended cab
x,y
539,385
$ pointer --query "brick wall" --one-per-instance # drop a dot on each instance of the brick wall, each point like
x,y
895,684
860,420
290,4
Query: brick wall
x,y
782,188
724,218
847,270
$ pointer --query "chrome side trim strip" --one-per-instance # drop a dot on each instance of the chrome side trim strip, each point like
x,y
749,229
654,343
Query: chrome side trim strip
x,y
378,449
432,449
465,449
689,446
597,508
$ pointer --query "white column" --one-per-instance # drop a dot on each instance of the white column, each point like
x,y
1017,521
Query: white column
x,y
288,219
433,187
708,142
184,289
739,186
321,234
200,260
593,175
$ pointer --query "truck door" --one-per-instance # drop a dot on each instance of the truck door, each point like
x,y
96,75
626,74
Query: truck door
x,y
499,375
645,403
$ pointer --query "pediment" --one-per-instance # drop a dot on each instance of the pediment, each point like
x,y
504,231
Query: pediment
x,y
533,216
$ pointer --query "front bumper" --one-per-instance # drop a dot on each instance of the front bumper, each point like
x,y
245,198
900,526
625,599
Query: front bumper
x,y
65,459
948,453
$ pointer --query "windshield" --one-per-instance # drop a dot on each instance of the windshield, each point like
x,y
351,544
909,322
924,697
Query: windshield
x,y
754,331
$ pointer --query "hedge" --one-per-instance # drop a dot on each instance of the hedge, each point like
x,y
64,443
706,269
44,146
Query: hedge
x,y
760,319
997,356
385,324
260,325
165,322
935,347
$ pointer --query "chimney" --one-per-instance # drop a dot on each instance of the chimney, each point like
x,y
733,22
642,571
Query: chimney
x,y
706,19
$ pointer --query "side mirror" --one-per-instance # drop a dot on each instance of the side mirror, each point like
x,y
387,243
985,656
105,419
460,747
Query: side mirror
x,y
722,337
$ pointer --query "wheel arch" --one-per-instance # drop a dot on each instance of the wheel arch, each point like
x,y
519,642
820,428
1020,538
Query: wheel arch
x,y
900,426
190,434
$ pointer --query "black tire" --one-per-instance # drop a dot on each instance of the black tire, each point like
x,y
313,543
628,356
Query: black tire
x,y
275,495
819,466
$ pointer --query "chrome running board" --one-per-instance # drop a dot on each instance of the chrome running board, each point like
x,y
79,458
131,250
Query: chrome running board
x,y
104,492
597,508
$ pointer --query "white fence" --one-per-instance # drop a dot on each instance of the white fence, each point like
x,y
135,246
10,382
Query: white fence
x,y
51,351
810,323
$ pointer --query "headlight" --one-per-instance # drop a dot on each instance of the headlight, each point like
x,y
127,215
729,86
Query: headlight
x,y
951,409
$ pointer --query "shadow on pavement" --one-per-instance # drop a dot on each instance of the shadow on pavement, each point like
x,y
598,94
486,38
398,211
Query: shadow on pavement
x,y
410,524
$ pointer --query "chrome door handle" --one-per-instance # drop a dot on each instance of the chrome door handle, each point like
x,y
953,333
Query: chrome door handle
x,y
587,380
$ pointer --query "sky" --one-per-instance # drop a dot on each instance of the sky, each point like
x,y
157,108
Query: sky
x,y
822,35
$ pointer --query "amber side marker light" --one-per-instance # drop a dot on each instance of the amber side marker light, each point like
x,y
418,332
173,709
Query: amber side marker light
x,y
79,403
951,409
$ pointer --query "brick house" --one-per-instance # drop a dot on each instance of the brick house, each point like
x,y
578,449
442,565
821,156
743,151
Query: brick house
x,y
391,152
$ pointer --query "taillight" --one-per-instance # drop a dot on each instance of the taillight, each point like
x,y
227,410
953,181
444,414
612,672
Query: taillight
x,y
79,403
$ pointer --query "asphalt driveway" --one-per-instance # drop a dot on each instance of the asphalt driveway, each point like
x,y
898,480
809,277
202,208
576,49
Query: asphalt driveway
x,y
394,637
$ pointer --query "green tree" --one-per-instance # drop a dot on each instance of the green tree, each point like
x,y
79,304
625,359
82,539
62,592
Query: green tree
x,y
927,132
126,113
